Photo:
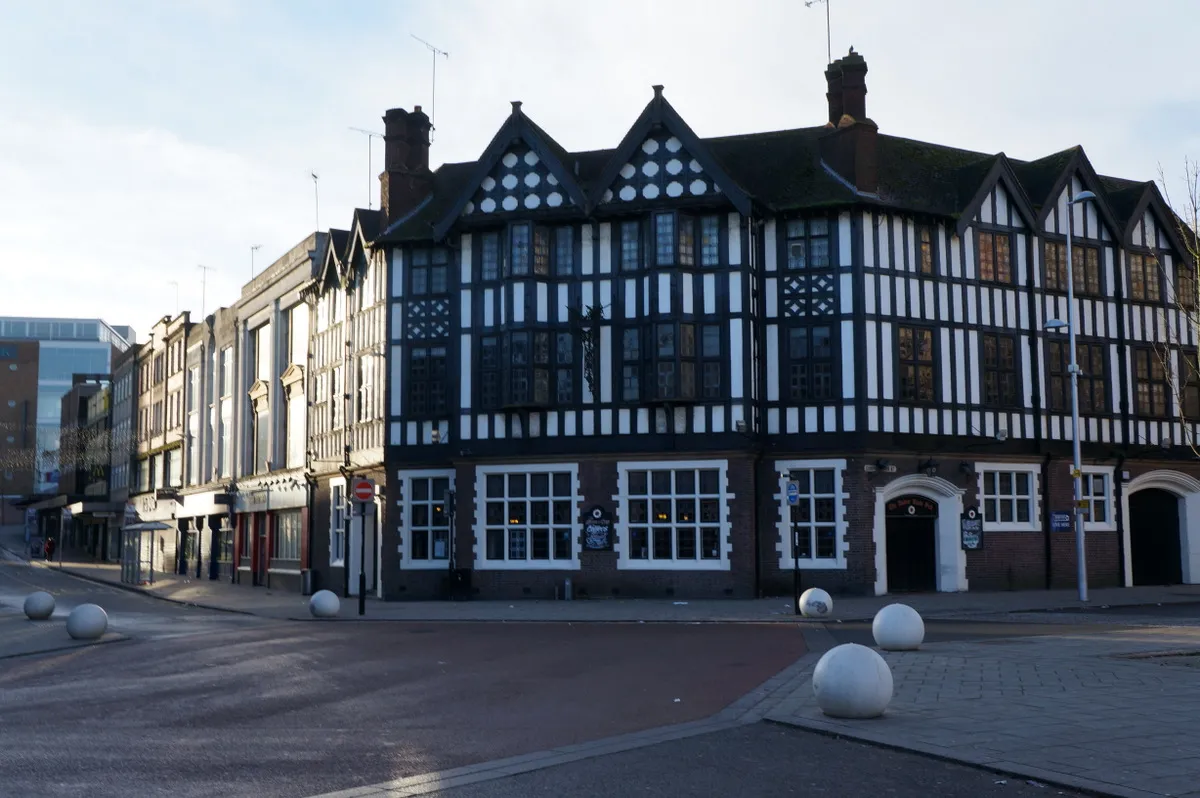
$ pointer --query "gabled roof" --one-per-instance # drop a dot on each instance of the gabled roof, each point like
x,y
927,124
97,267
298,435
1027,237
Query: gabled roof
x,y
364,229
1131,201
659,113
518,127
1045,179
332,268
985,175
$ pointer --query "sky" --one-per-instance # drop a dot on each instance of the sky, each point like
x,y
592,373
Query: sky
x,y
142,139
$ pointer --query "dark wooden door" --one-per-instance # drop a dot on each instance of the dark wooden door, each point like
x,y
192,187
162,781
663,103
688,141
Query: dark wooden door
x,y
911,555
1154,538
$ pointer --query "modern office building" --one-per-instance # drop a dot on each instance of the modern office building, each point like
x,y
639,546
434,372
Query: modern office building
x,y
66,347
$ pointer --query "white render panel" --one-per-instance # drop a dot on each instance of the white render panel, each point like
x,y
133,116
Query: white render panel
x,y
772,255
397,272
518,295
886,346
845,237
848,418
960,381
810,419
664,293
868,239
631,311
465,264
481,427
605,248
774,364
901,298
588,294
846,296
947,357
710,293
700,419
872,355
848,370
564,303
956,267
930,306
793,420
395,365
735,239
830,417
643,421
896,248
606,309
465,375
543,302
772,297
623,421
606,378
489,304
735,292
646,295
689,297
885,295
910,244
772,421
1026,372
397,321
973,342
736,368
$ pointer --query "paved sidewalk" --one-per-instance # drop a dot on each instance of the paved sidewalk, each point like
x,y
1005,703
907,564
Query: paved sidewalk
x,y
220,595
1084,711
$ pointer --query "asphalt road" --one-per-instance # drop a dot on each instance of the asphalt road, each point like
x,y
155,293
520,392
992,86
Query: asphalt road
x,y
197,703
759,761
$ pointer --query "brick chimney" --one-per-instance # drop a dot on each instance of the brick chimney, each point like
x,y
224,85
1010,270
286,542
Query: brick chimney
x,y
851,147
406,179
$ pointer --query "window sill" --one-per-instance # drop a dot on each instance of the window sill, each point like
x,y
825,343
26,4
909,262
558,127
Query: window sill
x,y
527,565
1011,526
626,564
1088,526
787,564
427,565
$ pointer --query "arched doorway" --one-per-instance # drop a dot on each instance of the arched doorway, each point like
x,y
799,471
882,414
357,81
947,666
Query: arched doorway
x,y
911,544
1154,543
949,561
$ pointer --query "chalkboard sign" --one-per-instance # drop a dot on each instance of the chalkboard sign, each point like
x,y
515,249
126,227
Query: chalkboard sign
x,y
972,529
597,530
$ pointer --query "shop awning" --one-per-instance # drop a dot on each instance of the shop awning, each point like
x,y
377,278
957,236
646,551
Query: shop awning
x,y
147,526
92,508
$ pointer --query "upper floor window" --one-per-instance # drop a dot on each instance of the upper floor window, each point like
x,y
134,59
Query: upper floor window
x,y
995,257
1150,383
426,381
1144,285
564,372
564,251
1085,268
631,246
516,368
489,256
808,244
674,240
710,241
925,250
810,363
1185,286
521,249
999,370
1091,376
916,365
631,364
430,272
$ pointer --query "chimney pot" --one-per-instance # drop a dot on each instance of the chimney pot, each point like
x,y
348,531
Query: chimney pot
x,y
516,106
658,89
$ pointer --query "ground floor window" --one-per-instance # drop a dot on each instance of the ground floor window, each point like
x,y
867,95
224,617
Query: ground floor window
x,y
337,523
285,545
1008,495
673,515
1097,496
426,520
812,527
529,516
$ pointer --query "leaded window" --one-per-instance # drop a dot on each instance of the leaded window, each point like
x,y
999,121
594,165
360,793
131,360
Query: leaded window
x,y
1085,268
810,363
427,390
429,273
995,257
1092,383
564,371
925,250
674,240
711,362
710,241
1144,285
1150,383
564,251
631,246
631,364
808,244
916,365
489,256
999,370
521,249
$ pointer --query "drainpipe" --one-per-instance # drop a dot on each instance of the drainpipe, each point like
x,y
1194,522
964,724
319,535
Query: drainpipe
x,y
1047,533
1118,509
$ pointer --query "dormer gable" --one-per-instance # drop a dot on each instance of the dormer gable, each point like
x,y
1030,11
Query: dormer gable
x,y
660,157
991,194
523,169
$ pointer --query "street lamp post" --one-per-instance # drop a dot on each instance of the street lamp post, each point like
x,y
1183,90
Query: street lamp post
x,y
1073,368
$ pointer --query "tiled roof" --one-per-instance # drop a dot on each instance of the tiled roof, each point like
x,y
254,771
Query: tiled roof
x,y
782,171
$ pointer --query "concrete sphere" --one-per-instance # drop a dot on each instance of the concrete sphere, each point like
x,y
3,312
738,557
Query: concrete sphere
x,y
324,604
852,681
898,627
39,605
815,603
87,622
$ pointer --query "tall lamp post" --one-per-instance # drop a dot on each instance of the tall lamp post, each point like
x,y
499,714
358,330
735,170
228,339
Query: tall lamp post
x,y
1073,368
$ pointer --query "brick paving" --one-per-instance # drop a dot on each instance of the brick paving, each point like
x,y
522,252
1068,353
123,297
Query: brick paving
x,y
1076,710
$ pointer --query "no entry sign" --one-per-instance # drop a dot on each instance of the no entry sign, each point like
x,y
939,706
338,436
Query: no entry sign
x,y
363,489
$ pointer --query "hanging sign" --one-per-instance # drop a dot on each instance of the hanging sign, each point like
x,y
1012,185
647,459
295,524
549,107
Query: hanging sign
x,y
597,530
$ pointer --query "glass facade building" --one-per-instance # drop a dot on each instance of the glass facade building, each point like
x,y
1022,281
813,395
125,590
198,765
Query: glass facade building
x,y
66,347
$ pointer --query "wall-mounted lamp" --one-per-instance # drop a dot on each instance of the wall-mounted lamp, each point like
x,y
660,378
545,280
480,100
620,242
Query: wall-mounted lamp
x,y
739,425
436,436
1002,434
966,469
929,467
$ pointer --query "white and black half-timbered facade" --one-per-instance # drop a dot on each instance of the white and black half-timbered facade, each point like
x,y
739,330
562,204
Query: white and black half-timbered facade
x,y
684,366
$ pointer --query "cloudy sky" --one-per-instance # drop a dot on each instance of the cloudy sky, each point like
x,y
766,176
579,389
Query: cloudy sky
x,y
140,139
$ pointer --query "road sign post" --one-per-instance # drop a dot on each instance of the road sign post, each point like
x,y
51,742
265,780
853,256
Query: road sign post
x,y
793,498
362,490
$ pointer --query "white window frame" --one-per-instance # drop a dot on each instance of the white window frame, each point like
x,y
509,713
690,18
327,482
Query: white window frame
x,y
337,529
405,479
1034,470
787,558
624,538
1108,472
277,535
482,563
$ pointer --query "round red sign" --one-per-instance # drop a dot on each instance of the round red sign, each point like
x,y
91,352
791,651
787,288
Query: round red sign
x,y
364,491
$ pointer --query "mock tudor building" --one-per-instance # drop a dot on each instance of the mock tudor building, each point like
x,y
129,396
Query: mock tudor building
x,y
686,366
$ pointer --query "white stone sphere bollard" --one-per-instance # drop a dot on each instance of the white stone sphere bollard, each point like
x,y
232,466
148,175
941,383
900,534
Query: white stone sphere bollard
x,y
898,627
815,603
852,681
39,605
324,604
87,622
